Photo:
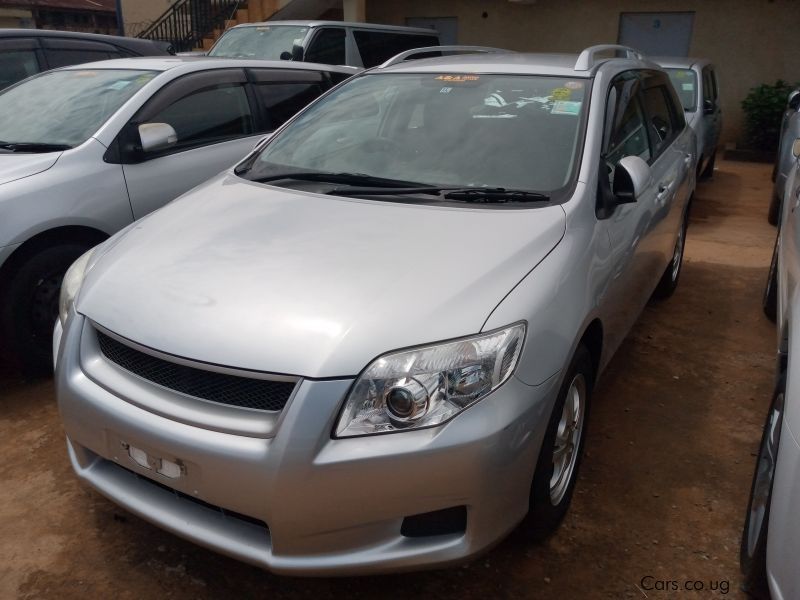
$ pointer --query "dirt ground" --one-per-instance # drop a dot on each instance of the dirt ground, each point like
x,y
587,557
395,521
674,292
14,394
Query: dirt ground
x,y
662,492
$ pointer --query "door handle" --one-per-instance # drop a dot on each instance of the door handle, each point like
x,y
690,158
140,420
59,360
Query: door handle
x,y
687,160
663,193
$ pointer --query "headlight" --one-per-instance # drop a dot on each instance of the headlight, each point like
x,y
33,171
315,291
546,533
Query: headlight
x,y
71,284
429,385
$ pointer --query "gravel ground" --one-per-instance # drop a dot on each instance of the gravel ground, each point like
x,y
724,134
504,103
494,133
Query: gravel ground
x,y
662,492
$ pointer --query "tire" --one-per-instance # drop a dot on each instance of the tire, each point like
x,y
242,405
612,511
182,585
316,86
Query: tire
x,y
753,551
708,171
669,280
774,212
551,494
770,300
29,307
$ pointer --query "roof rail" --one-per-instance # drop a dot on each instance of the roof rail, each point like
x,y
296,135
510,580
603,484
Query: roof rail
x,y
586,59
398,58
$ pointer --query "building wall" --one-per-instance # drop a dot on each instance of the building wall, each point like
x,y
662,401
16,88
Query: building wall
x,y
137,15
16,18
750,41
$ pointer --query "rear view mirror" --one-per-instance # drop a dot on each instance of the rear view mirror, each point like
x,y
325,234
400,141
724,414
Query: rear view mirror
x,y
796,148
794,100
631,177
156,136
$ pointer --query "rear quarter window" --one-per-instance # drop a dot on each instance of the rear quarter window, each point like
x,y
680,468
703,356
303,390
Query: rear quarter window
x,y
376,47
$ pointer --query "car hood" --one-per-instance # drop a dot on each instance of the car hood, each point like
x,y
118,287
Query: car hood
x,y
15,166
258,277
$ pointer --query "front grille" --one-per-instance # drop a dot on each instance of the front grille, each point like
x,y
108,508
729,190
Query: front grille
x,y
245,392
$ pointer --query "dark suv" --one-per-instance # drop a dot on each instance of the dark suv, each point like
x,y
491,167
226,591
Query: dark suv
x,y
327,42
25,52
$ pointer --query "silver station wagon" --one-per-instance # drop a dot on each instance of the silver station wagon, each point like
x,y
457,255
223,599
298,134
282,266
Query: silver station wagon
x,y
372,344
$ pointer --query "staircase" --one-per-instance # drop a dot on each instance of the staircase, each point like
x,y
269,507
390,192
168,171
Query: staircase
x,y
195,24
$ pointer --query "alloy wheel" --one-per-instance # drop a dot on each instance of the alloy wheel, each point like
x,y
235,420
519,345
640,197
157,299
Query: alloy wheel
x,y
568,439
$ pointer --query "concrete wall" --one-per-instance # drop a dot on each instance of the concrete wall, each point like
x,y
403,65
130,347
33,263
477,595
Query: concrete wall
x,y
750,41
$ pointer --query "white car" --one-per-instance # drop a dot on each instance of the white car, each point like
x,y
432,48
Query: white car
x,y
88,149
771,537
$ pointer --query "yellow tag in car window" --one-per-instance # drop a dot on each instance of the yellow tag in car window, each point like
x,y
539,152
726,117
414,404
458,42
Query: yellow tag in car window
x,y
561,93
457,78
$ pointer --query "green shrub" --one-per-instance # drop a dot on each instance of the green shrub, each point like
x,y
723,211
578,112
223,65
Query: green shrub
x,y
763,108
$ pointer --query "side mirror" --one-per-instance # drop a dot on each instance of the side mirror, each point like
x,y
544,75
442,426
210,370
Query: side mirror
x,y
796,148
156,136
708,107
794,100
631,177
285,55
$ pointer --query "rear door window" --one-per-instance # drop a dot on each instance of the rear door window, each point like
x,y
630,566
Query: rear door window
x,y
66,52
376,47
327,47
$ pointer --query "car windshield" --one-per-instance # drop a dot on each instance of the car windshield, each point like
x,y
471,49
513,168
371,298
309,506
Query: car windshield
x,y
459,130
685,83
65,108
262,41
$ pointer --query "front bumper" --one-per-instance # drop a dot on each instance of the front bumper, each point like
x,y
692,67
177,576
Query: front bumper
x,y
286,496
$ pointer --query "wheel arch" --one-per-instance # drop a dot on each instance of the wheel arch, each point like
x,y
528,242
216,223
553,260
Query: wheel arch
x,y
51,237
592,339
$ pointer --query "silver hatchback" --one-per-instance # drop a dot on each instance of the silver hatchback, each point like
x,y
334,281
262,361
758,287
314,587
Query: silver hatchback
x,y
372,344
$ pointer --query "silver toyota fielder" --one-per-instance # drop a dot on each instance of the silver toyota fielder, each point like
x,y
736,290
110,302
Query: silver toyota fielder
x,y
372,344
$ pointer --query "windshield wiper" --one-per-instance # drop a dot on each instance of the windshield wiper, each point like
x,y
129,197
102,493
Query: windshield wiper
x,y
464,194
33,147
360,179
498,195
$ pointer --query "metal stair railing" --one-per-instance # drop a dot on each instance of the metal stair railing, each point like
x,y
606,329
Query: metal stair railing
x,y
187,22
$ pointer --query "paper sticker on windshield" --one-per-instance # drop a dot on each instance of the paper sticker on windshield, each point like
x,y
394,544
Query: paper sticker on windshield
x,y
119,85
565,107
457,78
561,93
573,85
687,87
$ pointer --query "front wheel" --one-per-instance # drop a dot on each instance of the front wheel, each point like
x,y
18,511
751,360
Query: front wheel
x,y
753,551
562,450
29,307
